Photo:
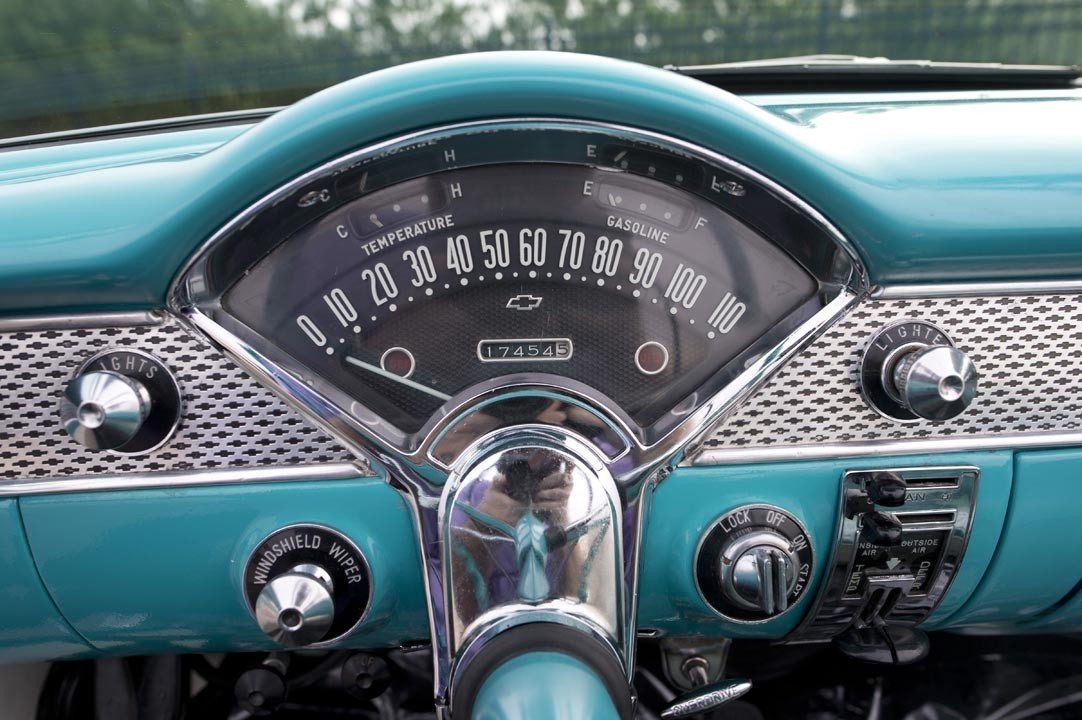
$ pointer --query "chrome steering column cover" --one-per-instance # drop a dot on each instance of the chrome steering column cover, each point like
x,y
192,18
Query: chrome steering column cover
x,y
532,530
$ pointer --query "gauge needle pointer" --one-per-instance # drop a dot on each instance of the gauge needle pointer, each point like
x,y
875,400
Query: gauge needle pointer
x,y
397,378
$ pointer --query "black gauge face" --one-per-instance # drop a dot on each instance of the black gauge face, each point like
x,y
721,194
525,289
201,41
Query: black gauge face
x,y
410,295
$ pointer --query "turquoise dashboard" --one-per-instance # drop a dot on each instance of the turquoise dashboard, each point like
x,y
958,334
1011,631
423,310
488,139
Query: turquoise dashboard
x,y
938,227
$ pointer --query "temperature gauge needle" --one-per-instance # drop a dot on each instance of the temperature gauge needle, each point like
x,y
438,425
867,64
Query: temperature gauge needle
x,y
397,378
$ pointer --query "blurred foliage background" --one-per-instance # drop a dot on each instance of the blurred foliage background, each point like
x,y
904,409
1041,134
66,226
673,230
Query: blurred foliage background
x,y
78,63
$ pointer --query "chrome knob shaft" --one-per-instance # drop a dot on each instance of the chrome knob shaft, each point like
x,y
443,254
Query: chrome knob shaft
x,y
758,573
104,410
297,607
936,383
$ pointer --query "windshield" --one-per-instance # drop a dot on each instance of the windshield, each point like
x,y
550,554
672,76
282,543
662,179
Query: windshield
x,y
79,63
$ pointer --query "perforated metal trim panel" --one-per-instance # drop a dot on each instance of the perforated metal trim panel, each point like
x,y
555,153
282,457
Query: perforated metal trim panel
x,y
230,421
1028,350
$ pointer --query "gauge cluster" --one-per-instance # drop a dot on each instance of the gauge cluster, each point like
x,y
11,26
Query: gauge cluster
x,y
410,295
606,263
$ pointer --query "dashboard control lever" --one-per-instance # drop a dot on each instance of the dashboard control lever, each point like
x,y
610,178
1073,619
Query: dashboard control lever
x,y
104,410
706,698
886,489
872,638
881,528
297,607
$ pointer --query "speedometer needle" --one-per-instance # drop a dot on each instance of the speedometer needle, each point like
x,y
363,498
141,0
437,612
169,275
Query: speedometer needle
x,y
397,378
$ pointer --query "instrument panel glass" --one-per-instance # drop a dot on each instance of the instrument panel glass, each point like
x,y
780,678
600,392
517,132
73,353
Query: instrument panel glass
x,y
409,295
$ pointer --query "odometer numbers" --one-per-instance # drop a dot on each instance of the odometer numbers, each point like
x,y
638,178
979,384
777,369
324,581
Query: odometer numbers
x,y
524,350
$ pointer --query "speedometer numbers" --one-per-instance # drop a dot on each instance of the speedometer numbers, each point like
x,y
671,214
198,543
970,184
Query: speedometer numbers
x,y
412,294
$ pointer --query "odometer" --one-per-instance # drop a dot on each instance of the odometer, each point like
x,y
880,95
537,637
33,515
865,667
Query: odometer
x,y
411,294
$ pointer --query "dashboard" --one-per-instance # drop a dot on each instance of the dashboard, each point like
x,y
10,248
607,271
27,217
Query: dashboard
x,y
789,367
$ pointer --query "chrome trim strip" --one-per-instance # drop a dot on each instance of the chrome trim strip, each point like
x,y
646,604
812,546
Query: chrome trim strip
x,y
796,453
141,127
975,289
194,478
90,321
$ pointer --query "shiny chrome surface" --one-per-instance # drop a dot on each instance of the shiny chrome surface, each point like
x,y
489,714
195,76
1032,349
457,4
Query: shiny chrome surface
x,y
883,448
296,608
103,410
976,289
533,524
82,321
707,698
152,480
946,495
936,383
758,572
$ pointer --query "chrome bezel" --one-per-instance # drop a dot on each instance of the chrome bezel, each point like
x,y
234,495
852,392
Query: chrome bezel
x,y
899,414
699,547
174,385
197,292
833,610
326,642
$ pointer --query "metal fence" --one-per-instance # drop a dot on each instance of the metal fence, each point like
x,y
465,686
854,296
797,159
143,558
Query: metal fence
x,y
130,82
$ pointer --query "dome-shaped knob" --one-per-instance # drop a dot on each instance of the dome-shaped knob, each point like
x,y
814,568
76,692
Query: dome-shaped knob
x,y
104,410
936,383
297,607
758,573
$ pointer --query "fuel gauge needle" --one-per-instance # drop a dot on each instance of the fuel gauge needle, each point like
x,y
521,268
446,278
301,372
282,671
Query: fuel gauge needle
x,y
397,378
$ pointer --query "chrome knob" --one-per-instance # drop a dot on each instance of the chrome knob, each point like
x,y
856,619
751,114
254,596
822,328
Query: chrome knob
x,y
104,410
936,383
297,607
759,572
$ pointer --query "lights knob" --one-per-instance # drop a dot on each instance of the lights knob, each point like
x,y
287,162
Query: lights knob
x,y
297,607
936,383
104,410
762,573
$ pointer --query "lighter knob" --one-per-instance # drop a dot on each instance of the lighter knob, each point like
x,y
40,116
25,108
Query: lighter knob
x,y
296,608
104,410
936,383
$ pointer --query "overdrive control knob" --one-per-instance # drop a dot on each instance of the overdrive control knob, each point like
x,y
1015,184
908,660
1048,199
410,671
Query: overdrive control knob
x,y
297,607
104,410
754,563
936,383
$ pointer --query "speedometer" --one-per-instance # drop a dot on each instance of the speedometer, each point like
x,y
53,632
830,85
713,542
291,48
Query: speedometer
x,y
410,295
525,259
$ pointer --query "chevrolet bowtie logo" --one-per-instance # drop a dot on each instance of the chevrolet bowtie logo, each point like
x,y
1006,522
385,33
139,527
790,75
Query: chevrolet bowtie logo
x,y
524,302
